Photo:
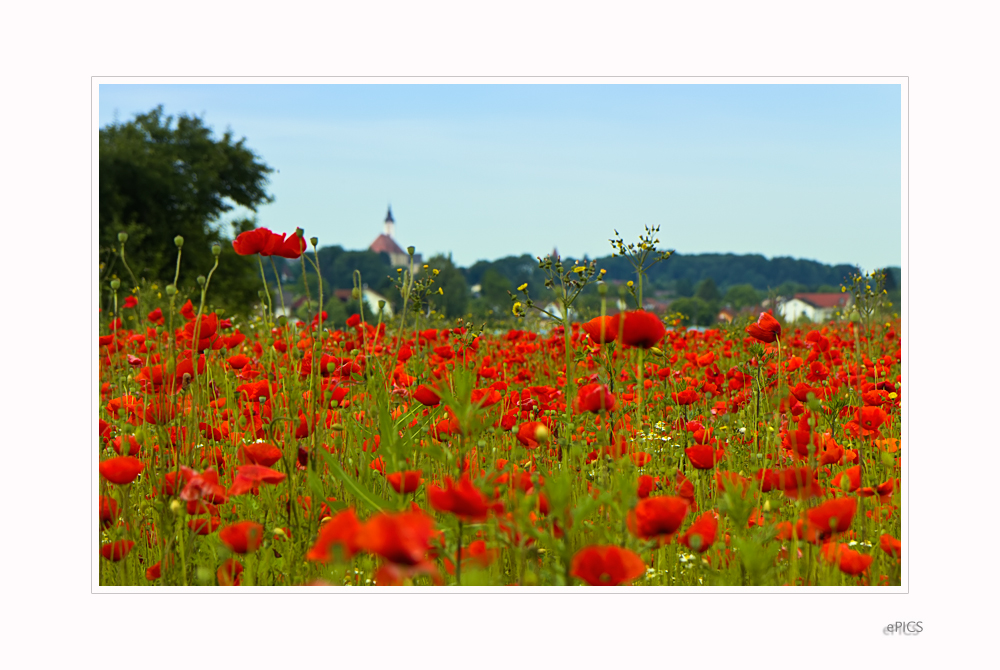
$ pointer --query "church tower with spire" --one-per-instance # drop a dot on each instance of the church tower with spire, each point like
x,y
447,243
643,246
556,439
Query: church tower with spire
x,y
386,242
390,224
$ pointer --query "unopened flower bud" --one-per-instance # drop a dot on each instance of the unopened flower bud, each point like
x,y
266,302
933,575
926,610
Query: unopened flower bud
x,y
116,284
201,280
176,506
355,293
179,241
123,237
216,249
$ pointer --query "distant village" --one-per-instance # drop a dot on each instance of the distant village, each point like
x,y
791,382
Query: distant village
x,y
813,306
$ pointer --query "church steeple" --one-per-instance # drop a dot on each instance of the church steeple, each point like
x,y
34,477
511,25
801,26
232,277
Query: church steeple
x,y
390,224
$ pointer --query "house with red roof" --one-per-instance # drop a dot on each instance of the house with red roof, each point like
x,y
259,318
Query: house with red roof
x,y
386,242
814,307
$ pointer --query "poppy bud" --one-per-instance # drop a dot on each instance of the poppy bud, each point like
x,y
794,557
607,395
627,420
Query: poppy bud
x,y
123,237
176,506
171,289
282,320
179,241
355,293
216,249
411,250
201,280
314,241
381,305
115,284
602,288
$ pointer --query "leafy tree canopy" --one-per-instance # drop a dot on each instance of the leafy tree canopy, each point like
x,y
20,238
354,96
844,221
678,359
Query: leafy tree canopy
x,y
161,177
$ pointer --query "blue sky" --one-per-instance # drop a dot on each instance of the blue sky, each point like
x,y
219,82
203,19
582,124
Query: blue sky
x,y
489,170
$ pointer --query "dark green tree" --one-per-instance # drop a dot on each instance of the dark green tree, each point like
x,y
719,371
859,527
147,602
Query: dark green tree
x,y
161,177
742,295
494,289
684,288
454,296
695,310
707,291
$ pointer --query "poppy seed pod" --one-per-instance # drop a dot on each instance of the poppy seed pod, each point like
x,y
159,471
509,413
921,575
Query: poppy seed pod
x,y
123,237
179,241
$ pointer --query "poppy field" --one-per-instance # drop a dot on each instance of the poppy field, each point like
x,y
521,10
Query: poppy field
x,y
622,449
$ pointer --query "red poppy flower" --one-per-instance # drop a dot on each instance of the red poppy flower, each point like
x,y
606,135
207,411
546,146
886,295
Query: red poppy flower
x,y
204,487
121,469
252,241
594,398
834,515
243,537
686,397
405,482
238,361
601,329
702,456
849,561
341,529
657,517
250,476
108,510
891,545
426,396
530,432
767,328
646,484
116,551
642,329
153,572
464,501
131,445
606,565
475,554
278,245
130,302
849,479
156,316
700,536
871,418
261,453
204,526
641,458
402,538
228,573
